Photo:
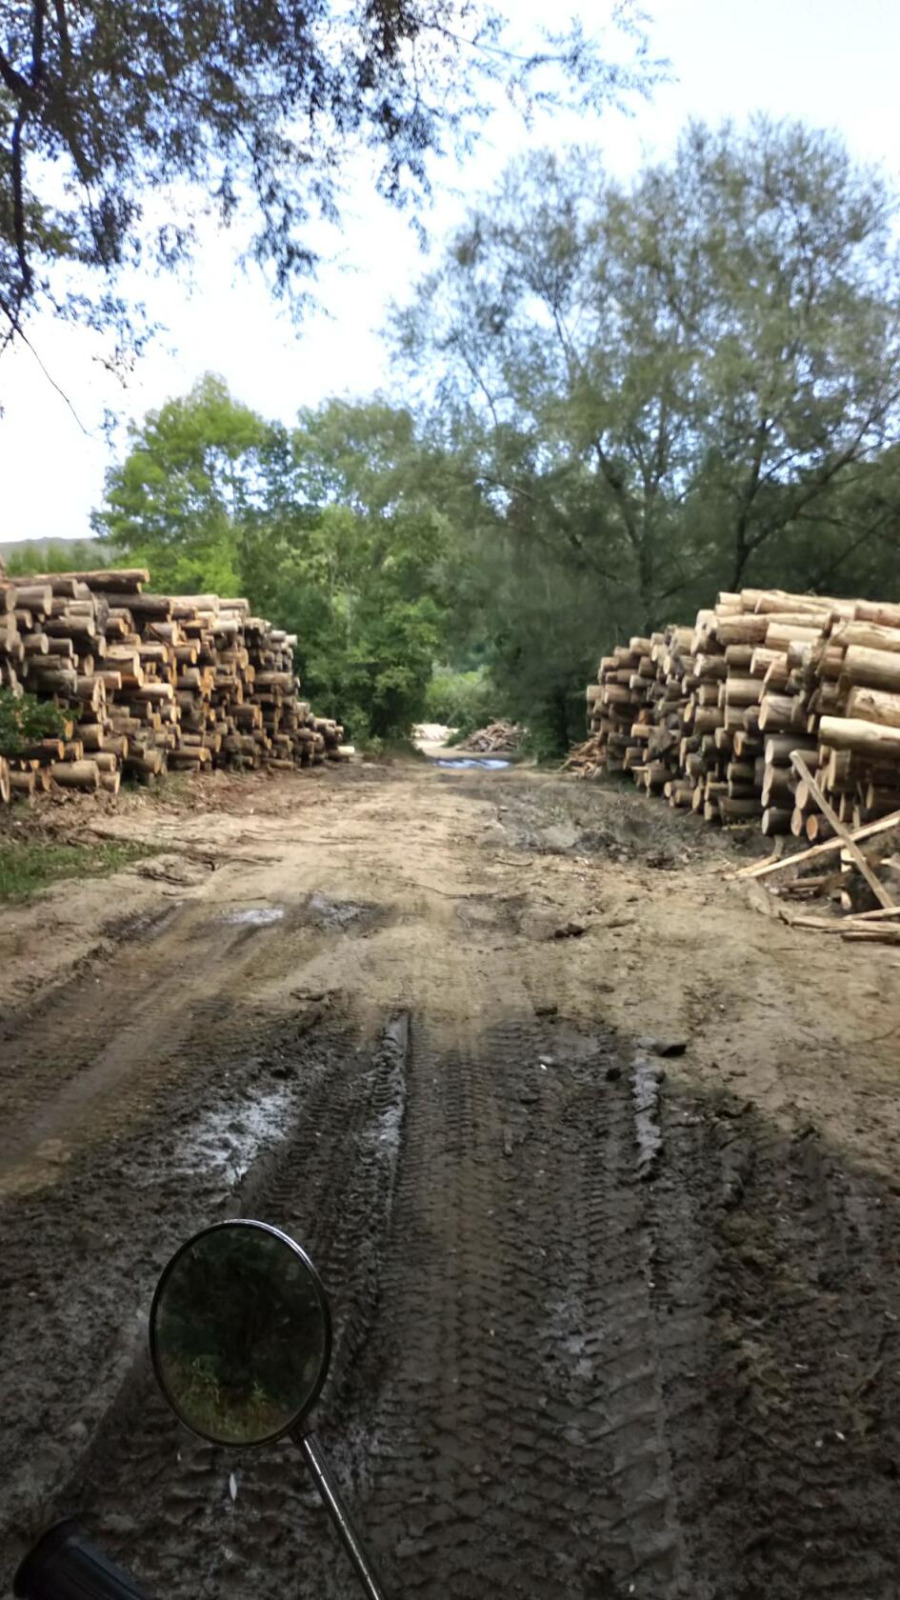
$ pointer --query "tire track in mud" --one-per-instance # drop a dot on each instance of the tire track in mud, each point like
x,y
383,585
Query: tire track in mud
x,y
555,1372
112,1041
163,1498
808,1365
116,1027
522,1418
496,1410
78,1259
552,1375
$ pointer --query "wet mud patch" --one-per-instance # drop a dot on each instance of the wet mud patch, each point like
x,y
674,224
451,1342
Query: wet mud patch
x,y
252,917
493,912
569,818
597,1333
327,1177
142,927
646,1088
329,915
319,912
78,1259
229,1138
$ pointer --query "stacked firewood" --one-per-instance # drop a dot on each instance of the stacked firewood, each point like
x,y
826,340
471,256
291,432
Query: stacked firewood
x,y
146,683
718,716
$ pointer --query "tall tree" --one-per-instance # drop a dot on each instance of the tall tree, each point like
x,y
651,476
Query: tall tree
x,y
255,105
196,472
783,274
674,373
366,569
338,530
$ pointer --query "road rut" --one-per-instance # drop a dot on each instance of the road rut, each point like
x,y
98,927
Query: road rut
x,y
607,1323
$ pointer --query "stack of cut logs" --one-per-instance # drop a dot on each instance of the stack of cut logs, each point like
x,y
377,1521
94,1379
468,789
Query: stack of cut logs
x,y
770,705
147,683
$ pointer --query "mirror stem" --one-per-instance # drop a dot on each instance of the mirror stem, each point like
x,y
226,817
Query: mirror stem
x,y
340,1516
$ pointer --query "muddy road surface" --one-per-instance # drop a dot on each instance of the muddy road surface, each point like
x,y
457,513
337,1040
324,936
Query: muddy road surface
x,y
599,1165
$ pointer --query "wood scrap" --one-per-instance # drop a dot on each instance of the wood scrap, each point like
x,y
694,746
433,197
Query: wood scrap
x,y
761,869
876,886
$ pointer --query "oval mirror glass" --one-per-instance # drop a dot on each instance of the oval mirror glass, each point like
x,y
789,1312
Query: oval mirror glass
x,y
240,1333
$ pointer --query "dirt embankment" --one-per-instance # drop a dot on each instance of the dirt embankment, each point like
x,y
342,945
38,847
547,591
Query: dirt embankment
x,y
598,1163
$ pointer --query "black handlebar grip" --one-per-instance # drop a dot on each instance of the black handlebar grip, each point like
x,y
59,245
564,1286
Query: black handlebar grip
x,y
64,1565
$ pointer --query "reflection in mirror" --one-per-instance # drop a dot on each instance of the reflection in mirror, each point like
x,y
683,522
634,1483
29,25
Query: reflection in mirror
x,y
240,1333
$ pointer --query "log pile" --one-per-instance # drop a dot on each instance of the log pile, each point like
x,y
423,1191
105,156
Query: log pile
x,y
714,717
149,683
499,739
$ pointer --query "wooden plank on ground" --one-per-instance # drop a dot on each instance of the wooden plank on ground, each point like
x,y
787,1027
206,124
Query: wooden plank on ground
x,y
761,869
877,887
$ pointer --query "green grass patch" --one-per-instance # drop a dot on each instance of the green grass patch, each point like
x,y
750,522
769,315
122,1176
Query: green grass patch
x,y
27,865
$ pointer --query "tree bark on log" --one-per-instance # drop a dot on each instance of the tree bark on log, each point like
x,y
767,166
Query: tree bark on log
x,y
776,820
875,705
873,669
76,774
868,738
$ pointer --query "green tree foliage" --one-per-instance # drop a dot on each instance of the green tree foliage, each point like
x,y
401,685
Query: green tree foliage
x,y
331,530
197,471
631,396
462,700
685,383
24,720
847,544
251,108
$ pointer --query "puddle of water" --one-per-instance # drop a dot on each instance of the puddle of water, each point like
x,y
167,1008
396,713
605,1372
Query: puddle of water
x,y
253,917
144,925
385,1135
464,763
645,1092
230,1138
324,912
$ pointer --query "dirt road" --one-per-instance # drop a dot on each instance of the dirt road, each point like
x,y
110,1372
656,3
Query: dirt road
x,y
599,1165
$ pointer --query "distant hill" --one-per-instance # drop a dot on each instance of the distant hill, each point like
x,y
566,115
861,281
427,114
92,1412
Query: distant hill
x,y
55,552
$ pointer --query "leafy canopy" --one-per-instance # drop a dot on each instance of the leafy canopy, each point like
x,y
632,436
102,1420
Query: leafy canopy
x,y
197,471
630,396
251,107
330,529
664,387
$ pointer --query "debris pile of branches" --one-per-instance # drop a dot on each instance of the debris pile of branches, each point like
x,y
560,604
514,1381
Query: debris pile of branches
x,y
149,683
499,739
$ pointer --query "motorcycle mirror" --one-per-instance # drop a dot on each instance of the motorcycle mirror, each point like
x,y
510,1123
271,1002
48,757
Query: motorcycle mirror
x,y
240,1333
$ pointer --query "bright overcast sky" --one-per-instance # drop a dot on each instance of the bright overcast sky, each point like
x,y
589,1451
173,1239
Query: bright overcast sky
x,y
831,62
